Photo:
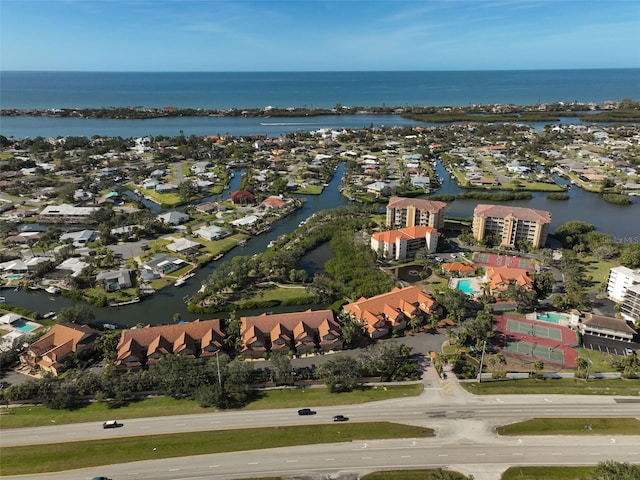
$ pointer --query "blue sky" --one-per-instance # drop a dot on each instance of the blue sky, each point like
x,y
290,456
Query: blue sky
x,y
316,35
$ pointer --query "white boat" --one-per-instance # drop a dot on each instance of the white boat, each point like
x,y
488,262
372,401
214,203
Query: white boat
x,y
3,300
49,315
182,280
52,290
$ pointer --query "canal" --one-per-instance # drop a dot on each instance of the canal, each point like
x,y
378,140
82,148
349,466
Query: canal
x,y
161,307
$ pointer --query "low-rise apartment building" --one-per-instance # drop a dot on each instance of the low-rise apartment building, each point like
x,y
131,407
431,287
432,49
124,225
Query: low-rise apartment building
x,y
630,308
405,242
511,224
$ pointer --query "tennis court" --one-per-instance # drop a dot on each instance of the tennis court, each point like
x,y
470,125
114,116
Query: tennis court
x,y
534,330
538,351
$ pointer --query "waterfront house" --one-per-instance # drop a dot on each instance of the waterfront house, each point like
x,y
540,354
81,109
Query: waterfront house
x,y
212,233
163,264
184,246
242,197
113,280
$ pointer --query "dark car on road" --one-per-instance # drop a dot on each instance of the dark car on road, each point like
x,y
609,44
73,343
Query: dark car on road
x,y
340,418
111,424
306,411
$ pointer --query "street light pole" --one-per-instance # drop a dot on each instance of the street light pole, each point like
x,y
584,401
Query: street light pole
x,y
219,376
484,345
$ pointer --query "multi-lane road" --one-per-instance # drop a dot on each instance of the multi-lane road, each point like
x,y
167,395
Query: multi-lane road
x,y
465,438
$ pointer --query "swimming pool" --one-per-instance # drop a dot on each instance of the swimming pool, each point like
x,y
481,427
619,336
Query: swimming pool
x,y
22,326
551,317
14,276
465,285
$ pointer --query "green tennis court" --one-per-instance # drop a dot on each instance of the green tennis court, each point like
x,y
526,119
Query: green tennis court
x,y
481,257
534,330
537,351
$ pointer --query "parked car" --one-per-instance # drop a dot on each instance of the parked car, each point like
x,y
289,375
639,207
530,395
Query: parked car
x,y
306,411
340,418
100,478
111,424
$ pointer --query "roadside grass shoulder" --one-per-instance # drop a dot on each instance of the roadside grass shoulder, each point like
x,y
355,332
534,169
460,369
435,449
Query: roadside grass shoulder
x,y
427,474
560,386
572,426
164,406
547,473
64,456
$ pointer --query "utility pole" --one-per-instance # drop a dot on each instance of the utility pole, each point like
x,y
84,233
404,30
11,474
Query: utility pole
x,y
484,345
219,376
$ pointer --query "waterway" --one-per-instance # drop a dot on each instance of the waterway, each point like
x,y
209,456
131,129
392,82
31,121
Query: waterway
x,y
619,221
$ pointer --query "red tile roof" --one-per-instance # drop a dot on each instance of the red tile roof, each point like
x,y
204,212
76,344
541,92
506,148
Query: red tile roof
x,y
521,213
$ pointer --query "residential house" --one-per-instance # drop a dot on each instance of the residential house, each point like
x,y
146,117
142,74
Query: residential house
x,y
144,346
381,314
302,332
405,242
379,189
78,239
66,214
113,280
163,264
212,233
410,212
173,218
184,246
63,341
242,197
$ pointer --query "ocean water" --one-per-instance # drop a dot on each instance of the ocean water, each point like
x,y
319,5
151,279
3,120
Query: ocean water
x,y
31,90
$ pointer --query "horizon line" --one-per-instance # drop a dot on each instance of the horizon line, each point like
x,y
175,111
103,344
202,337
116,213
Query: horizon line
x,y
327,71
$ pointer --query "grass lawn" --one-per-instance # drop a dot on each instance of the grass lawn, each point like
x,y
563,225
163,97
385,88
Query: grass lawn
x,y
541,187
573,426
161,406
64,456
429,474
601,362
288,294
598,269
564,386
547,473
310,190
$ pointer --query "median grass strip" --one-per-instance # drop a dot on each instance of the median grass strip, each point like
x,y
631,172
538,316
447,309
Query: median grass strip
x,y
163,406
560,386
572,426
547,473
64,456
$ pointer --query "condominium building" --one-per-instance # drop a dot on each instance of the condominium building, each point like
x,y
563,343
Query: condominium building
x,y
411,212
620,280
511,224
405,242
630,308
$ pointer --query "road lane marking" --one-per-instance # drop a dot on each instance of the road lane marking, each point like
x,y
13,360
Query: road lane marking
x,y
214,466
405,456
181,424
481,454
252,463
556,454
443,455
329,459
366,458
292,461
517,454
174,469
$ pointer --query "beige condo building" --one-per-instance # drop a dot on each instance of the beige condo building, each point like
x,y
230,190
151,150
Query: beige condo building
x,y
511,224
413,212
